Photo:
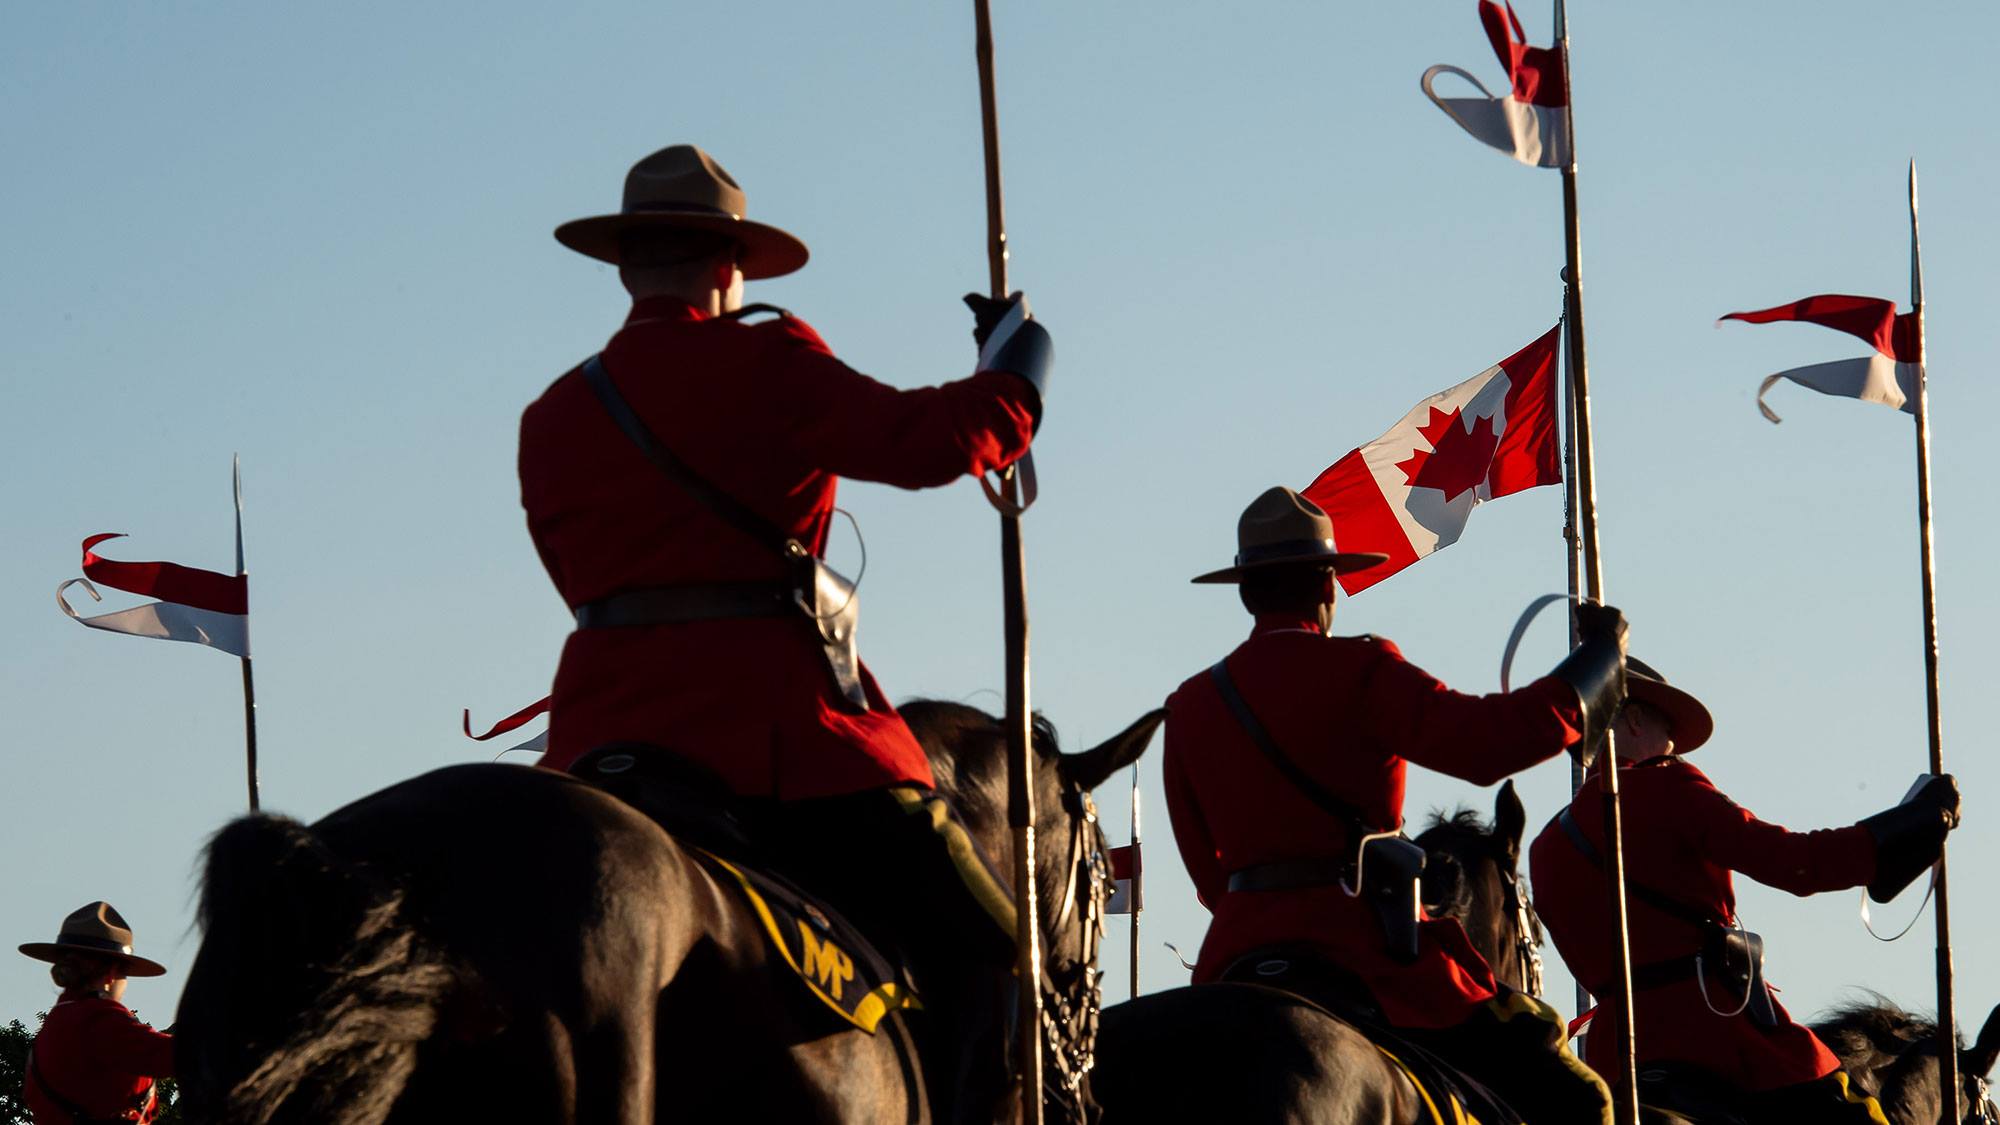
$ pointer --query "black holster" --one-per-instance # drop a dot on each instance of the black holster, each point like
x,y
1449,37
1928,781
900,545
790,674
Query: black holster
x,y
1737,956
1391,875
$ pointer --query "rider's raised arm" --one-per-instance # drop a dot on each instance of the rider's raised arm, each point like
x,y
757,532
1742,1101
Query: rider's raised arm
x,y
1480,738
854,426
1730,836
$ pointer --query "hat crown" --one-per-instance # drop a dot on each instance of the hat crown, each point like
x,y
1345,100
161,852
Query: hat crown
x,y
1279,517
98,923
682,178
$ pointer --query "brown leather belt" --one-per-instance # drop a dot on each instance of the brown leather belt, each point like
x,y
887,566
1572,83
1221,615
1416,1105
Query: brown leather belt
x,y
1658,974
665,605
1291,874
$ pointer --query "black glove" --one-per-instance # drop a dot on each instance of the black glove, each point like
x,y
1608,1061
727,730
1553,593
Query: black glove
x,y
1595,621
1025,351
1596,670
986,313
1910,837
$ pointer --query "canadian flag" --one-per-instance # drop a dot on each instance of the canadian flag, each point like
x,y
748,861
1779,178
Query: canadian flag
x,y
1530,124
197,606
1126,897
515,721
1410,491
1889,376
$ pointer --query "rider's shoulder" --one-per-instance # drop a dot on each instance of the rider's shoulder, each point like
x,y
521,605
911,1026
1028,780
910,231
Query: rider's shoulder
x,y
1370,642
771,324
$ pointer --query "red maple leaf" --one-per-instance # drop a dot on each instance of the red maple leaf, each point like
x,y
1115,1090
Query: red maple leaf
x,y
1457,460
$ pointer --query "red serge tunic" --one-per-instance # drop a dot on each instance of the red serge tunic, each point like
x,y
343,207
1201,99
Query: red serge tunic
x,y
1352,714
1682,838
767,414
100,1058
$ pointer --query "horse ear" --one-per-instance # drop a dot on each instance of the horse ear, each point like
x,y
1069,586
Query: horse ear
x,y
1978,1059
1089,769
1510,819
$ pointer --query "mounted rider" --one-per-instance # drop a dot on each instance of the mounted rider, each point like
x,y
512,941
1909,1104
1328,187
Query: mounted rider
x,y
680,486
1697,978
1284,774
92,1060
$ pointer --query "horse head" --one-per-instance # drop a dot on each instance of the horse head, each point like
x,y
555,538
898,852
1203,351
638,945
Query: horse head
x,y
1473,874
968,750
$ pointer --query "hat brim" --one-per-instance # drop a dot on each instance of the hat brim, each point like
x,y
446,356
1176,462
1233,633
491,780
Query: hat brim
x,y
135,966
1691,722
767,251
1343,562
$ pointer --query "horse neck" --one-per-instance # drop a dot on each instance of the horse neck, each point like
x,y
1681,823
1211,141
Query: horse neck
x,y
1490,921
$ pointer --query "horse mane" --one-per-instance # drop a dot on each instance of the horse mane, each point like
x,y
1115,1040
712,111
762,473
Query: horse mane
x,y
1461,819
1877,1024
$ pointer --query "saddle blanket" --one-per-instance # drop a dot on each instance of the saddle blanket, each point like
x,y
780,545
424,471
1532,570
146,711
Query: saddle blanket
x,y
827,954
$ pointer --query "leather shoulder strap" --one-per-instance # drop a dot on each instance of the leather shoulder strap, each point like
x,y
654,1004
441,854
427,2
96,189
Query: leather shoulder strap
x,y
1669,906
76,1112
1303,782
731,510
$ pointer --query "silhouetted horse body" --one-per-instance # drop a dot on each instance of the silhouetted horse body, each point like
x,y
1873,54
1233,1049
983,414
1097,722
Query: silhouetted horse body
x,y
1242,1052
503,943
1473,876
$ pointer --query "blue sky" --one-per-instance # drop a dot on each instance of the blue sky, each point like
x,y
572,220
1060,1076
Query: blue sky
x,y
320,237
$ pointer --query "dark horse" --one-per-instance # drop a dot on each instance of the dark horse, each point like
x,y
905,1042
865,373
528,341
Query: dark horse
x,y
1473,875
1244,1052
503,943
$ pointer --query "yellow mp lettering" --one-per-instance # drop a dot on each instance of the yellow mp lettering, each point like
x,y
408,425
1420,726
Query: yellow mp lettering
x,y
826,962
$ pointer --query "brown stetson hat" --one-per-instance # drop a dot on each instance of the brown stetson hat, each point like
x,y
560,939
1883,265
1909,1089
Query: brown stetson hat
x,y
1282,528
681,187
95,928
1692,724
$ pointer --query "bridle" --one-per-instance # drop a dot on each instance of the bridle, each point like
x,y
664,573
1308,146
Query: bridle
x,y
1071,995
1527,932
1981,1111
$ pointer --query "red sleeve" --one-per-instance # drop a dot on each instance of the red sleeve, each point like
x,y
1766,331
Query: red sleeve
x,y
1801,863
1198,853
120,1043
855,427
1480,738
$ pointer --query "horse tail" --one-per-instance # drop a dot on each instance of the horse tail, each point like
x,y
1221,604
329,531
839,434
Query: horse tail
x,y
312,990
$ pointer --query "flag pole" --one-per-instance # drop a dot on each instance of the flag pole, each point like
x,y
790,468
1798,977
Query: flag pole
x,y
249,682
1572,558
1138,873
1011,501
1624,1084
1947,1021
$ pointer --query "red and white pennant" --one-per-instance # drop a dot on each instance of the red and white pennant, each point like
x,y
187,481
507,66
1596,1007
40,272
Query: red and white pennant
x,y
197,606
539,743
1530,124
1889,376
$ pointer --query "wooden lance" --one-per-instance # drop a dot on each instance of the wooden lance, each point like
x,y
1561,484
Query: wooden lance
x,y
1947,1022
249,682
1624,1083
1138,868
1015,493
